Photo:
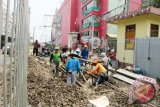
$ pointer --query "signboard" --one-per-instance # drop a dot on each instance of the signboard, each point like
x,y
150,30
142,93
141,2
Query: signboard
x,y
96,43
72,38
88,39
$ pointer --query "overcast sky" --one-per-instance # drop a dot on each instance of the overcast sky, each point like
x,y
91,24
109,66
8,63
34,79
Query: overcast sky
x,y
40,8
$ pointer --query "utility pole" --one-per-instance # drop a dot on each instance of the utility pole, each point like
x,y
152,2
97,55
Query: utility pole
x,y
1,20
92,34
33,33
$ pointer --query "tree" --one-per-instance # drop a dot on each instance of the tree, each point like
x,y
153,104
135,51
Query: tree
x,y
156,3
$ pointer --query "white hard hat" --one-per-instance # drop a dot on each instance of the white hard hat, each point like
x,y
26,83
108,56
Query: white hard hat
x,y
56,48
78,49
103,54
112,50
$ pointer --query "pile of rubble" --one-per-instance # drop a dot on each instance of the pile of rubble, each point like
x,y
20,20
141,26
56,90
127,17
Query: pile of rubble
x,y
116,98
45,90
1,87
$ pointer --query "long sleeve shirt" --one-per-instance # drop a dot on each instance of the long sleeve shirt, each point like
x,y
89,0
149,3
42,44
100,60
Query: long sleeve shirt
x,y
84,54
73,65
98,69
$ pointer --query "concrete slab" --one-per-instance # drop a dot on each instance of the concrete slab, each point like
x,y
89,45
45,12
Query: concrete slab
x,y
123,78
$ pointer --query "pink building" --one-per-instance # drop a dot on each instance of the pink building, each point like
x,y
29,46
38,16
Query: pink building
x,y
86,18
82,16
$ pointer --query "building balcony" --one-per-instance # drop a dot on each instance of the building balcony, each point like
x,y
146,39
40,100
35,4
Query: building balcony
x,y
94,8
127,8
84,1
119,10
86,25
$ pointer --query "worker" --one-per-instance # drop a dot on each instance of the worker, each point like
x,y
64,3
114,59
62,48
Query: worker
x,y
65,56
100,71
113,54
78,51
56,57
84,54
113,60
64,50
36,47
142,90
72,67
105,59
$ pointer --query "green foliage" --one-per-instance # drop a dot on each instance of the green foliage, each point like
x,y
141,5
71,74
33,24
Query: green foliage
x,y
156,3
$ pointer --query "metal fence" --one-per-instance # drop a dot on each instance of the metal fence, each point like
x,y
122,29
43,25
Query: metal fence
x,y
147,56
17,86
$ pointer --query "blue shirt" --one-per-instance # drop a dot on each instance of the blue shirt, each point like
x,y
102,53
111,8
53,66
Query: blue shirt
x,y
73,64
84,54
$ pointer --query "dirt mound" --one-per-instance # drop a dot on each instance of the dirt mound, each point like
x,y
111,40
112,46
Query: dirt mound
x,y
46,91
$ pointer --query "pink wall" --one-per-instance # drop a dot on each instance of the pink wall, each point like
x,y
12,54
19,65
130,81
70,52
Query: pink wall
x,y
134,5
71,11
74,15
65,11
79,17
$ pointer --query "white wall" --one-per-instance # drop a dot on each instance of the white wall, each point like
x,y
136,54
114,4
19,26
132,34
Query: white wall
x,y
112,29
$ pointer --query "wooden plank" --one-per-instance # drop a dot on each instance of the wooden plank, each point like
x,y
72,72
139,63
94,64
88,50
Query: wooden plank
x,y
84,77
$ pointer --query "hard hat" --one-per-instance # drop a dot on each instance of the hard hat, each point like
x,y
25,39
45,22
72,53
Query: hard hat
x,y
78,50
112,50
103,54
56,48
74,54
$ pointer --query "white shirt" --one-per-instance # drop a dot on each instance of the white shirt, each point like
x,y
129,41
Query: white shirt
x,y
105,60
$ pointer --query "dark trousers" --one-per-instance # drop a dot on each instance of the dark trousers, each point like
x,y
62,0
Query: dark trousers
x,y
102,78
35,51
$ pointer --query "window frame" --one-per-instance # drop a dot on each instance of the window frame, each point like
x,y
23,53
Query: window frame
x,y
129,39
154,30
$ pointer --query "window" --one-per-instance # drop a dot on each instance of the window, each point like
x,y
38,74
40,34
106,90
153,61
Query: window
x,y
85,33
92,6
154,30
146,2
96,33
130,36
84,1
91,21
